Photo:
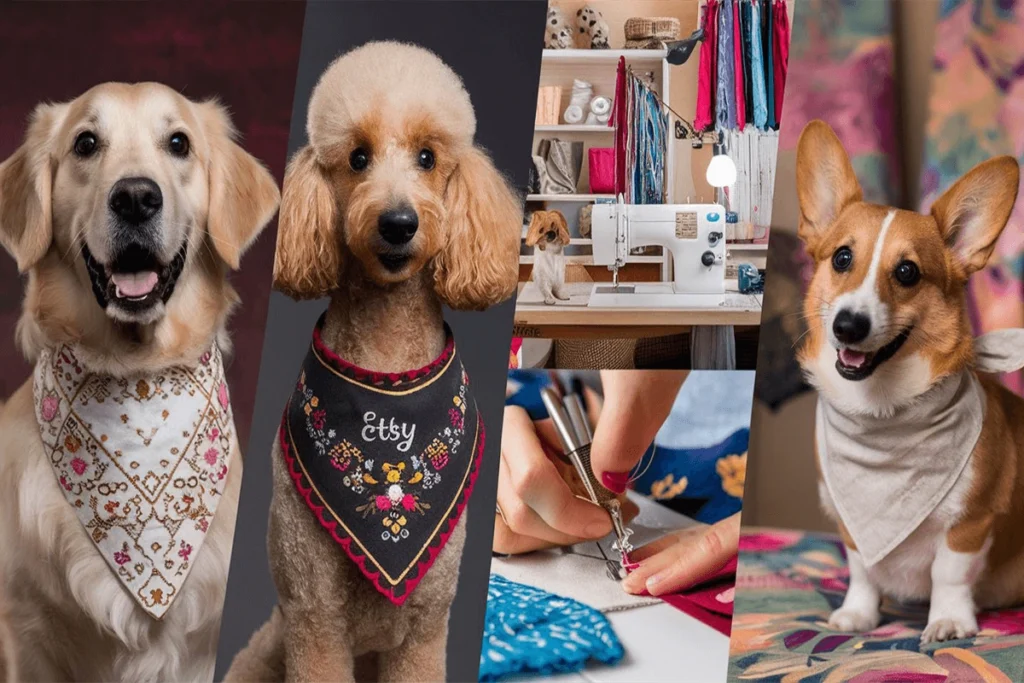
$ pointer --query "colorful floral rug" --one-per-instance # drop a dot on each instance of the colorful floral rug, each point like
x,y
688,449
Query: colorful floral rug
x,y
788,583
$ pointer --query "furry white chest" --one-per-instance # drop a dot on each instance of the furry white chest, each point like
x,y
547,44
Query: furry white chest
x,y
549,266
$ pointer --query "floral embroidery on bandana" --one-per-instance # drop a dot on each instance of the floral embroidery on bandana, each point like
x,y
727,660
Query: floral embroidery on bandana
x,y
386,462
143,461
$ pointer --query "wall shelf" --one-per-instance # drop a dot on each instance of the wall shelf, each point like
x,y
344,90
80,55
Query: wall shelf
x,y
567,128
567,197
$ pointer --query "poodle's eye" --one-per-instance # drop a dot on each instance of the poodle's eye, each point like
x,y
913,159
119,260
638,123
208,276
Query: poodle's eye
x,y
426,159
359,159
907,273
86,144
842,259
178,144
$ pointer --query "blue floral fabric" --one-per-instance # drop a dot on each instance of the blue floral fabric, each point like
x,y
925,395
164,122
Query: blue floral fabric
x,y
531,631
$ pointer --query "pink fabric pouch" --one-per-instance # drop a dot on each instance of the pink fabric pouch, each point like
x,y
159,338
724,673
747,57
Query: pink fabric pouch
x,y
602,170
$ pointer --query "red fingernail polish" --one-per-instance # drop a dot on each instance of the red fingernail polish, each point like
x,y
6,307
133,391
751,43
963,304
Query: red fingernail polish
x,y
615,481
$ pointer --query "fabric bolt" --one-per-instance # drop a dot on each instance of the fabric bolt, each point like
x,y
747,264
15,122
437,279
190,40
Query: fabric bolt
x,y
738,62
780,57
886,475
531,631
768,55
386,462
142,460
704,117
760,95
725,97
789,582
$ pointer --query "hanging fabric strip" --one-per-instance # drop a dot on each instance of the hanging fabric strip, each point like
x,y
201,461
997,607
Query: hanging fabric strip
x,y
768,36
745,31
757,68
725,106
621,133
780,57
737,53
705,114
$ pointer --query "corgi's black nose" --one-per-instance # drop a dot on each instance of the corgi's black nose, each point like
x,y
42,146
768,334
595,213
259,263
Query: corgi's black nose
x,y
851,328
397,226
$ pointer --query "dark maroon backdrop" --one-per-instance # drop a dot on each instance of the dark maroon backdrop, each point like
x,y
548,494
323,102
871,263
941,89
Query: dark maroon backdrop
x,y
245,53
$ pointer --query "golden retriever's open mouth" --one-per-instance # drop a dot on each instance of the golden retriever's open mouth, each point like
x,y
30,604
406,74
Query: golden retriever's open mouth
x,y
135,280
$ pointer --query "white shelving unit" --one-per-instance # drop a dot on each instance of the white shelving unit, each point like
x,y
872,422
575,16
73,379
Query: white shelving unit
x,y
560,67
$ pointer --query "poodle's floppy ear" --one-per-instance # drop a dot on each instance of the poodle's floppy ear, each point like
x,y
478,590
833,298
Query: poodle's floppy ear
x,y
243,194
26,179
307,264
479,263
563,227
533,232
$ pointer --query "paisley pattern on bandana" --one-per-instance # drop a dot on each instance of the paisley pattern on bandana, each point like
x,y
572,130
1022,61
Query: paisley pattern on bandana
x,y
385,461
143,461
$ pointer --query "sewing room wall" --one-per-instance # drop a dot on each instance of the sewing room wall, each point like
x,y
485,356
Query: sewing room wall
x,y
889,59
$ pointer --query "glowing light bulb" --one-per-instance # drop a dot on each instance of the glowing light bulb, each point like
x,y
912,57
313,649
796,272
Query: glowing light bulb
x,y
721,171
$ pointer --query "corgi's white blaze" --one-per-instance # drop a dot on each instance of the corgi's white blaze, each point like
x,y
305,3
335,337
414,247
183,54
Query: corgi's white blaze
x,y
866,299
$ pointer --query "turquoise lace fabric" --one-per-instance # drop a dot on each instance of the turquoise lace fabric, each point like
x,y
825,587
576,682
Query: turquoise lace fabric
x,y
530,631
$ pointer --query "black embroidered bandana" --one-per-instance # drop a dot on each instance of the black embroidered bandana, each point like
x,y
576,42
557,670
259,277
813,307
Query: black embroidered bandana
x,y
385,461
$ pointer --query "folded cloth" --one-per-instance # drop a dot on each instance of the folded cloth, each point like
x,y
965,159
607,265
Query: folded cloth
x,y
710,601
527,630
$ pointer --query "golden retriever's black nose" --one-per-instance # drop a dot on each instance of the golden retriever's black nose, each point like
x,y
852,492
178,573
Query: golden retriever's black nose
x,y
397,226
135,200
851,328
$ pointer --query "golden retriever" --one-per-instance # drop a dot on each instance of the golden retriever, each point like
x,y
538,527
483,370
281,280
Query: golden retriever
x,y
126,207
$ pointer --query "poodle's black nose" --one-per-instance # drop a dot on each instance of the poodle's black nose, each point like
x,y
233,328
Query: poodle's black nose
x,y
397,226
135,200
851,328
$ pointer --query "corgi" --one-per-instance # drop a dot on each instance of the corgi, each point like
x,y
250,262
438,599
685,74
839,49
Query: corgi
x,y
548,234
920,450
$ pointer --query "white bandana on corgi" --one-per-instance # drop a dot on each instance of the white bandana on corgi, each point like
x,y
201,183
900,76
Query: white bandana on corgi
x,y
887,475
143,462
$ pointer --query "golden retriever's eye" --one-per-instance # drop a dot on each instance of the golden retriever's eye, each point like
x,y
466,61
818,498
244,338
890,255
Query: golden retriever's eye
x,y
426,159
359,159
907,273
842,259
86,144
178,144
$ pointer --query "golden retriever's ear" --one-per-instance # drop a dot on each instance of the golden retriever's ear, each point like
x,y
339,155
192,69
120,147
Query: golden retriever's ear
x,y
825,181
243,194
26,179
563,227
973,212
307,264
479,263
533,232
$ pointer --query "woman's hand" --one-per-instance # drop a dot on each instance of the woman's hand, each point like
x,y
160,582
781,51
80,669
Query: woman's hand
x,y
679,560
538,510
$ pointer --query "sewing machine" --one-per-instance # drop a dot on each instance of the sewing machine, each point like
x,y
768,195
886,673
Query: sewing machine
x,y
693,233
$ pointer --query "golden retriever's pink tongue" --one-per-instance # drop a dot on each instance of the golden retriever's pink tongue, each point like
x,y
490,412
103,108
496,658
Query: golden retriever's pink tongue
x,y
851,358
134,284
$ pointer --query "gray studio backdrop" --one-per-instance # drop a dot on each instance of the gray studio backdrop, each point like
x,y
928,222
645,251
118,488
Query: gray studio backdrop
x,y
496,47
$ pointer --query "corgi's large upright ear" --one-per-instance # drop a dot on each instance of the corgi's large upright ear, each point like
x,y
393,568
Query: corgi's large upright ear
x,y
825,181
26,180
973,212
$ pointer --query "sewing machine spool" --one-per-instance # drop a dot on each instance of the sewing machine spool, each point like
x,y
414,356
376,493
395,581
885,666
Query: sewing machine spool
x,y
694,234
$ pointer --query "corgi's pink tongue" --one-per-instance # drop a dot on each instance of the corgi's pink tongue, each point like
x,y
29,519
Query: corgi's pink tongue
x,y
851,358
134,284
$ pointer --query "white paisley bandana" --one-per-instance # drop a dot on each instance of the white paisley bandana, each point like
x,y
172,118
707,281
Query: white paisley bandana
x,y
142,460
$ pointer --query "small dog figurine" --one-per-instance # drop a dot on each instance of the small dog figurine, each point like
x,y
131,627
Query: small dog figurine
x,y
920,455
548,234
392,211
557,32
593,28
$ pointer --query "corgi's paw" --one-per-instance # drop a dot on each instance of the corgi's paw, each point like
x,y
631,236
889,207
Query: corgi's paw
x,y
939,630
549,300
561,296
854,620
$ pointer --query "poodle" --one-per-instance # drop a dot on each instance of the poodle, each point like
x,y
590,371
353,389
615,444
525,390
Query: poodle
x,y
392,212
548,234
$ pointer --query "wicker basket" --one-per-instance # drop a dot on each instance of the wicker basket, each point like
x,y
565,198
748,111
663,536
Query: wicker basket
x,y
650,33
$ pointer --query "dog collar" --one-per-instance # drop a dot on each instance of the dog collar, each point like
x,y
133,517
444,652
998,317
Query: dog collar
x,y
886,475
385,461
142,460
